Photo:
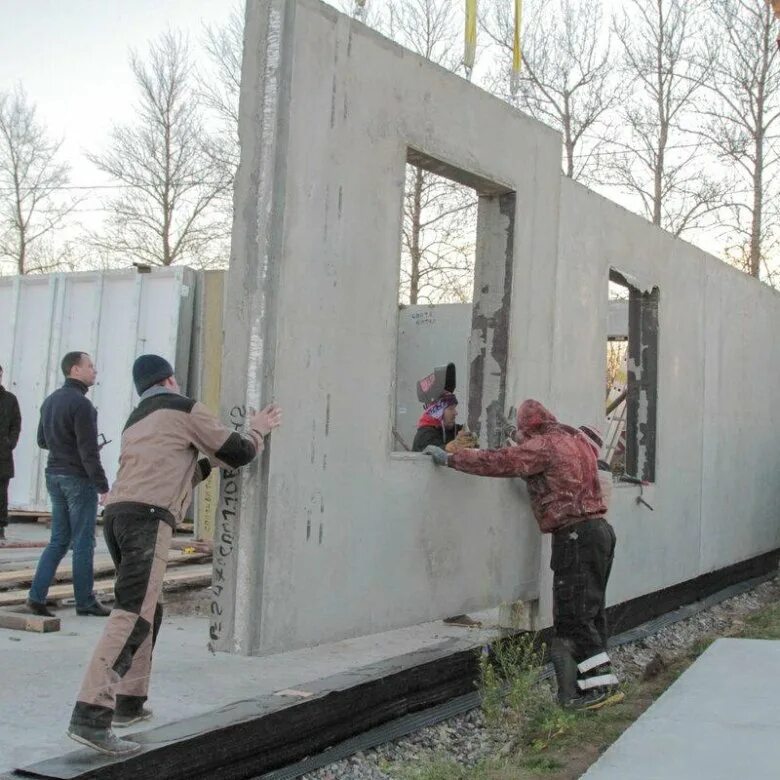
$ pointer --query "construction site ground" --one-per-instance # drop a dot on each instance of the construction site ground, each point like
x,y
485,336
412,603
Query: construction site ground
x,y
718,721
41,672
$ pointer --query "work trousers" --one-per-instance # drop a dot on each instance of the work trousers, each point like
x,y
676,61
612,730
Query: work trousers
x,y
581,561
117,678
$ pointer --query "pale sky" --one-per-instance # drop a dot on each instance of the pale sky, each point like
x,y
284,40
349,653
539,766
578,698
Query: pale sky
x,y
72,58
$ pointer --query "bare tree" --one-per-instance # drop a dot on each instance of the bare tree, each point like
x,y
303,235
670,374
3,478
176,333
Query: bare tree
x,y
32,205
220,88
660,161
568,79
438,239
166,213
428,28
439,218
742,111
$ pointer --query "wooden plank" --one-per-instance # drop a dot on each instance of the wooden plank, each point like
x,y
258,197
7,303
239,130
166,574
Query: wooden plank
x,y
102,567
22,621
185,576
202,546
26,514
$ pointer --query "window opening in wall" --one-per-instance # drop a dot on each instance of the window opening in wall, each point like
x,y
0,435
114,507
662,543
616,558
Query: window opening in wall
x,y
631,379
455,264
438,240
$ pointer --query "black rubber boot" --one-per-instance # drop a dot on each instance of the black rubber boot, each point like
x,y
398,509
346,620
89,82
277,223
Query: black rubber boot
x,y
562,657
124,719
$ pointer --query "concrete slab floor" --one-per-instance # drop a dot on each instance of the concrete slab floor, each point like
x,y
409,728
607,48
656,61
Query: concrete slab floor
x,y
40,674
719,721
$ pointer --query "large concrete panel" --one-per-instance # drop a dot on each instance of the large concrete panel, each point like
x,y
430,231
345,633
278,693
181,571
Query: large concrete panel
x,y
345,521
713,498
333,534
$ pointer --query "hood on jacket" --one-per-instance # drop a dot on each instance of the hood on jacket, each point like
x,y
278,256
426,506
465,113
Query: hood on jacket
x,y
534,419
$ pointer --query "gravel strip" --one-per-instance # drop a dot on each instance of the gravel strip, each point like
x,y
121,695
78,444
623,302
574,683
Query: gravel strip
x,y
466,740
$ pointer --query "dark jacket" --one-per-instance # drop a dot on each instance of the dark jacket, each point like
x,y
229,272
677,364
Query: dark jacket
x,y
10,426
68,430
556,461
437,436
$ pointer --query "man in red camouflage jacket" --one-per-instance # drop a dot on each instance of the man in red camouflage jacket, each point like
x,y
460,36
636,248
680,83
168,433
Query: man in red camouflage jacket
x,y
559,467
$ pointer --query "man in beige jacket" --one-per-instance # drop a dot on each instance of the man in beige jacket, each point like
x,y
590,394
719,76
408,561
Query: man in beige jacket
x,y
158,467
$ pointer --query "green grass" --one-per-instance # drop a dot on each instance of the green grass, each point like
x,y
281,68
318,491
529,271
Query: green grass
x,y
763,624
550,743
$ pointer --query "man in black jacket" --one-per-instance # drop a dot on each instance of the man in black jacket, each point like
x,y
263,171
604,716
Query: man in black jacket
x,y
10,426
74,478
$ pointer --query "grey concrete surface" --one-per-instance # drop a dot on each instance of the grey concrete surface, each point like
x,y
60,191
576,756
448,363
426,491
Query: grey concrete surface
x,y
718,721
41,674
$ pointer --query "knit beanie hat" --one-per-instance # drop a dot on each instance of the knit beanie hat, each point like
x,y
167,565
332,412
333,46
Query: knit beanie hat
x,y
436,409
148,370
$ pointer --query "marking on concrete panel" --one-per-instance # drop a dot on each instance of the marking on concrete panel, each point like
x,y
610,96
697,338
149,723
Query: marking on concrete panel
x,y
346,107
341,196
333,100
327,213
320,533
327,415
423,318
308,525
324,462
224,542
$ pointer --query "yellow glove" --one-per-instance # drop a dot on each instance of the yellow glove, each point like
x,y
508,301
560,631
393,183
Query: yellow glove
x,y
465,440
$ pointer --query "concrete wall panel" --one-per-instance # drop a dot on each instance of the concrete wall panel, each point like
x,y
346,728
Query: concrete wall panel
x,y
334,535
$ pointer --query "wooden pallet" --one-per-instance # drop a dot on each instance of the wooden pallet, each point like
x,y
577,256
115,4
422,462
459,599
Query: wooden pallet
x,y
103,566
198,575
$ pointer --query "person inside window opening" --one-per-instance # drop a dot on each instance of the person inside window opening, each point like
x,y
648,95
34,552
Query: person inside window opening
x,y
437,424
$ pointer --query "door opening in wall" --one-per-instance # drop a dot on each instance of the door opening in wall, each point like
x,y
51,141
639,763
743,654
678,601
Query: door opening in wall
x,y
455,265
631,378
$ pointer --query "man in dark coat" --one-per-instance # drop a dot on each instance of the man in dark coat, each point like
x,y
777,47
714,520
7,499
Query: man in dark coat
x,y
10,427
74,480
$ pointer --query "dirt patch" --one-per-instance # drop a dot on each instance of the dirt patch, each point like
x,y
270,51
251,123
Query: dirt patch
x,y
188,602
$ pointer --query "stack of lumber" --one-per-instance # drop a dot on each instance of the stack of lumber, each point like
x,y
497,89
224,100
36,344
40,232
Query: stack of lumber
x,y
187,568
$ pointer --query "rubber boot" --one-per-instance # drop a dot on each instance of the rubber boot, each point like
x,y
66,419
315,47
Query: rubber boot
x,y
562,657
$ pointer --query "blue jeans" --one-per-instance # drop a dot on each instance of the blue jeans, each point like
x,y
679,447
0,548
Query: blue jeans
x,y
73,514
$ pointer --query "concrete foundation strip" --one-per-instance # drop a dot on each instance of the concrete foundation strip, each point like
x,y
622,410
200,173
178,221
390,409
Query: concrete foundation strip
x,y
408,724
381,702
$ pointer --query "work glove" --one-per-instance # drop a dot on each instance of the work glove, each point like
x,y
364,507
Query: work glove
x,y
440,457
